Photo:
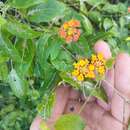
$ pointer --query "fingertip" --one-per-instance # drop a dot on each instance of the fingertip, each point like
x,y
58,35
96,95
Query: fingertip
x,y
122,57
103,47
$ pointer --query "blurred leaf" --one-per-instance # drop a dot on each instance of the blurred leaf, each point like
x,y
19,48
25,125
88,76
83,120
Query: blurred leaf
x,y
70,122
87,26
18,85
25,3
3,72
46,12
117,8
95,2
21,30
2,21
107,24
95,16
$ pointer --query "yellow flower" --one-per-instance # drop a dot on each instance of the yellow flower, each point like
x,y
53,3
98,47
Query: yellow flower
x,y
75,73
100,56
82,62
94,58
65,25
101,70
91,67
80,77
91,74
76,65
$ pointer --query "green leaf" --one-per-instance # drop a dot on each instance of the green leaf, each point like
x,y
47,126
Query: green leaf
x,y
18,84
7,49
26,50
2,21
46,12
95,16
25,3
3,72
55,48
100,94
87,26
21,30
107,24
42,48
89,89
61,65
70,122
110,63
63,62
95,2
115,8
68,79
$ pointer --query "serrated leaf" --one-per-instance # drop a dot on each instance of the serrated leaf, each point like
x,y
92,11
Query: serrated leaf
x,y
18,84
70,122
46,12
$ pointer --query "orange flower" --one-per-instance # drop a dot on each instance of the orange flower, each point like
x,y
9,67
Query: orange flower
x,y
70,31
62,33
128,9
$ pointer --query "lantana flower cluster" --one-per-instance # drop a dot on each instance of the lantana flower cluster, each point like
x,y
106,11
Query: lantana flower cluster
x,y
70,31
89,68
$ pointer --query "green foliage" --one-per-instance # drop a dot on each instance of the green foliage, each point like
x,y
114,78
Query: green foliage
x,y
34,59
46,11
17,84
70,122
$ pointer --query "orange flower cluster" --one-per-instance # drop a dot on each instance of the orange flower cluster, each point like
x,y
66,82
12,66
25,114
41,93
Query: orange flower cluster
x,y
70,31
85,68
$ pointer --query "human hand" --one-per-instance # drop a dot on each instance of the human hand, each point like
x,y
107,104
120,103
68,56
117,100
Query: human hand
x,y
97,115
